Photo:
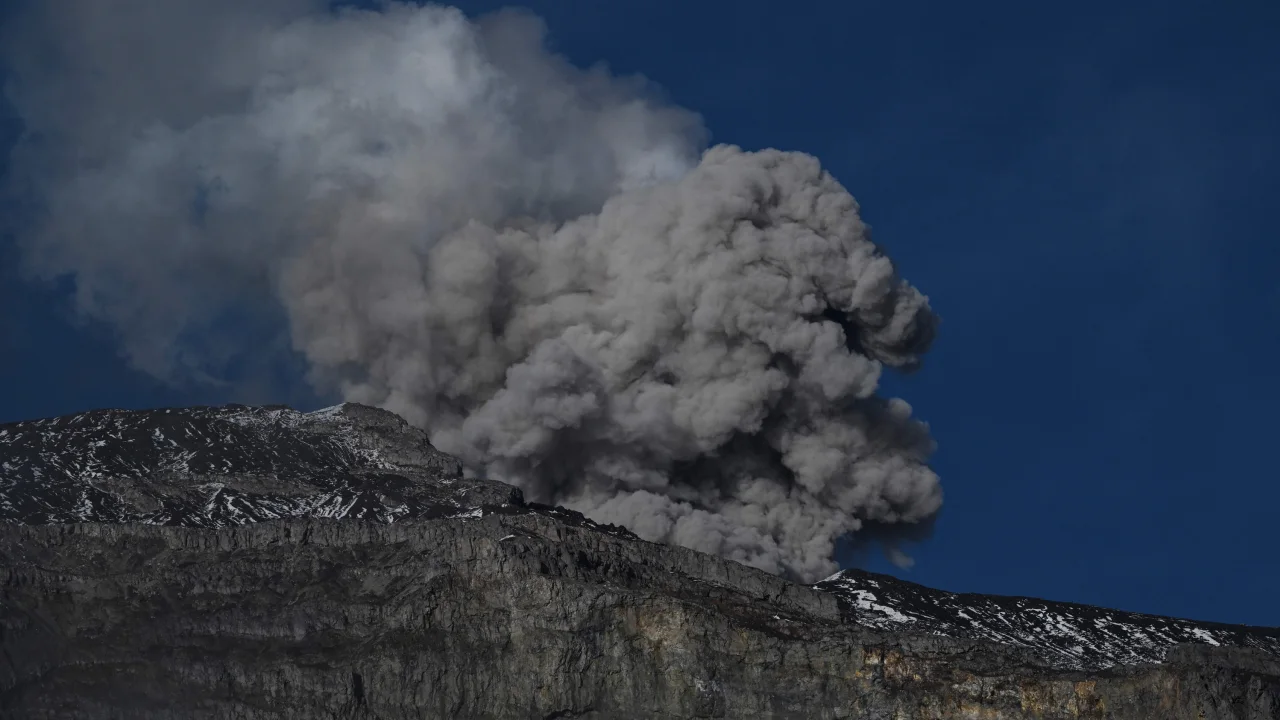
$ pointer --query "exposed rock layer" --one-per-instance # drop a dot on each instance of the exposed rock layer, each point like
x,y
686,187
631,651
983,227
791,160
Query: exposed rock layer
x,y
495,609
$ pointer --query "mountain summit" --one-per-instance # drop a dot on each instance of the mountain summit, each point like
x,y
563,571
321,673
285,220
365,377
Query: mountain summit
x,y
242,562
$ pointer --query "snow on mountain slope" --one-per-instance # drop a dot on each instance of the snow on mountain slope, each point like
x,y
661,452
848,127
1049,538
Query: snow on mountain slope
x,y
219,467
1064,634
214,467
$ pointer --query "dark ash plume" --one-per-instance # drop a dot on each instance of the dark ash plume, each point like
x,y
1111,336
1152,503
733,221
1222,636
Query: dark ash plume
x,y
535,262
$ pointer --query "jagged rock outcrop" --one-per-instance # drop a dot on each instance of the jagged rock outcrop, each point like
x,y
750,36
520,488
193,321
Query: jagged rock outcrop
x,y
260,563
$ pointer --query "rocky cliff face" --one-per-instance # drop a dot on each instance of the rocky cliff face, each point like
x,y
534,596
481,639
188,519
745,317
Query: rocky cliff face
x,y
261,563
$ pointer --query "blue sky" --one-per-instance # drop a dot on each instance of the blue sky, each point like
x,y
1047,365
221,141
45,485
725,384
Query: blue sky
x,y
1085,193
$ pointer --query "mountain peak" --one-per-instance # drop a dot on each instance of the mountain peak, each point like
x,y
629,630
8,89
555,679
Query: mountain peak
x,y
230,465
262,542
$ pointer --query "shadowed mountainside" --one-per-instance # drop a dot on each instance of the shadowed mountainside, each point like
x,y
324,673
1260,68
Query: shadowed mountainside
x,y
262,563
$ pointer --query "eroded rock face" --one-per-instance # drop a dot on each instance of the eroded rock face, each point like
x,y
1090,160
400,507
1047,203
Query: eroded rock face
x,y
136,585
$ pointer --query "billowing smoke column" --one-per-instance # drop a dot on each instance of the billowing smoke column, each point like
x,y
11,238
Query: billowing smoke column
x,y
535,262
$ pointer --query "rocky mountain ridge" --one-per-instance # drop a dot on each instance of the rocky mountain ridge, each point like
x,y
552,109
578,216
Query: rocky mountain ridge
x,y
260,562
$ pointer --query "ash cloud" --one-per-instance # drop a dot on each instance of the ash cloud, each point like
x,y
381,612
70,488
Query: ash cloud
x,y
538,263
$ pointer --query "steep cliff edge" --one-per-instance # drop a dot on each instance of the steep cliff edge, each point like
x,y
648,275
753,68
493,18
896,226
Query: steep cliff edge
x,y
261,563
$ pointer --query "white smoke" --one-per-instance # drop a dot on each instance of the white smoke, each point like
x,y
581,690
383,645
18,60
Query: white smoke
x,y
535,262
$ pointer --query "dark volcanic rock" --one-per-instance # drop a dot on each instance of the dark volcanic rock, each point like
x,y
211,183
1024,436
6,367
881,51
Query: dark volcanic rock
x,y
261,563
1063,635
217,467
